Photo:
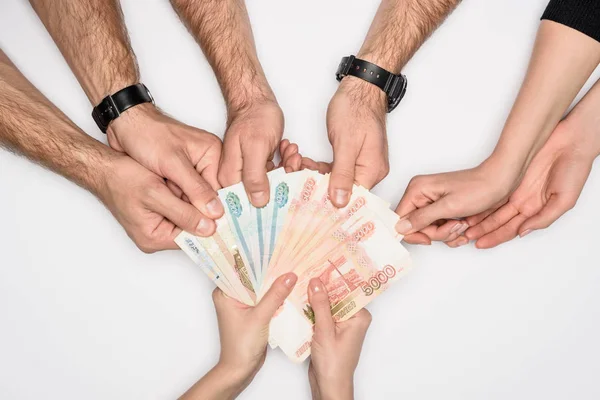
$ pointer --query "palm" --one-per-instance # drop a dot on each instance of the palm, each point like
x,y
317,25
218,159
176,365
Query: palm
x,y
550,187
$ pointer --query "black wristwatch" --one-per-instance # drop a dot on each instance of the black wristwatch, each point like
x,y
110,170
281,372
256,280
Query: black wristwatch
x,y
114,105
394,86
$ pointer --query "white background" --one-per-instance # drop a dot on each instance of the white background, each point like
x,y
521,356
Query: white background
x,y
85,315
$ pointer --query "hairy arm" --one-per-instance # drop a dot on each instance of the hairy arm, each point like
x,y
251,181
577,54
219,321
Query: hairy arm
x,y
357,112
222,29
399,28
32,126
92,37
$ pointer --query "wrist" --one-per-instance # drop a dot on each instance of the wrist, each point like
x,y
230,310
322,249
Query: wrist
x,y
138,115
343,390
237,376
364,95
248,95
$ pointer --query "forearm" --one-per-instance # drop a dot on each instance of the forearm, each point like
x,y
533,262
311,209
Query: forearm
x,y
562,61
217,384
584,122
92,37
399,28
32,126
222,29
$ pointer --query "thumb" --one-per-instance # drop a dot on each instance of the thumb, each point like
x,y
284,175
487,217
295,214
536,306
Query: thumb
x,y
423,217
319,302
274,298
254,174
342,174
552,211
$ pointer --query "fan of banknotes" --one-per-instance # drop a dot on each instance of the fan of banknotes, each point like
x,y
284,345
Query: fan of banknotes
x,y
355,251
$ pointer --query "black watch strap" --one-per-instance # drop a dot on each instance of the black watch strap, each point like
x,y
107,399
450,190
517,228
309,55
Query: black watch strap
x,y
113,105
393,85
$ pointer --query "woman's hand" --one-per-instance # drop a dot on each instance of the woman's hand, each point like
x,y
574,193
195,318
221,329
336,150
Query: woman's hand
x,y
432,203
244,332
335,347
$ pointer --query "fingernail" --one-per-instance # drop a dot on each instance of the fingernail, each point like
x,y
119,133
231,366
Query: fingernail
x,y
214,207
258,197
462,241
341,196
456,227
315,286
525,233
463,229
290,279
204,226
403,226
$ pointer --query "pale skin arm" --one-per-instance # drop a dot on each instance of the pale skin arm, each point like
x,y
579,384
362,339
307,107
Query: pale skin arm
x,y
357,112
255,120
562,60
92,36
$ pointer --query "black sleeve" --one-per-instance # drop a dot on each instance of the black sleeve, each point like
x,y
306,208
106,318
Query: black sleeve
x,y
583,15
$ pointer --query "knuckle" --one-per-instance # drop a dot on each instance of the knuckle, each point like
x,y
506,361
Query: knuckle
x,y
153,189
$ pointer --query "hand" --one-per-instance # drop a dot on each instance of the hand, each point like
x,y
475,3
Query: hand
x,y
432,202
250,143
143,204
291,160
356,128
335,347
244,330
551,187
186,156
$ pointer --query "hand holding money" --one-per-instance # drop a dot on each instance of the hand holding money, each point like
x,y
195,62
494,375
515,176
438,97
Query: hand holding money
x,y
335,347
354,251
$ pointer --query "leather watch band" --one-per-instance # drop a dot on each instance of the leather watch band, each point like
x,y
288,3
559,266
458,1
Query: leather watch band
x,y
114,105
393,85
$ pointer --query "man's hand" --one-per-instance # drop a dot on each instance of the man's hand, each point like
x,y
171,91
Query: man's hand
x,y
252,137
356,129
551,187
143,204
186,156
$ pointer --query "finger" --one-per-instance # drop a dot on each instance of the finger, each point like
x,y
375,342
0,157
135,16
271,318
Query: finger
x,y
423,217
445,232
555,208
254,174
418,238
209,174
322,167
501,235
174,188
290,151
180,213
270,166
282,146
363,319
342,174
319,302
458,242
274,298
477,218
493,221
293,163
230,167
200,193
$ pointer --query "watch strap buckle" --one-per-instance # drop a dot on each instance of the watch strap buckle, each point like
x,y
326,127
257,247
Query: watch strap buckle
x,y
344,67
